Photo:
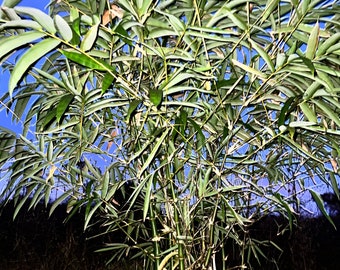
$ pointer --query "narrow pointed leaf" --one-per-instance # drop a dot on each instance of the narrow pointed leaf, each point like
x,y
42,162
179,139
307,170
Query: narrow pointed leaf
x,y
39,16
21,24
132,107
264,55
63,28
87,61
249,69
89,38
105,185
271,5
153,152
313,42
327,44
14,42
321,205
308,112
62,106
107,82
156,96
32,55
147,197
328,111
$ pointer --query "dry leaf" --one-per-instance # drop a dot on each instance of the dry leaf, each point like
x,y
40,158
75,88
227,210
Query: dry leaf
x,y
112,13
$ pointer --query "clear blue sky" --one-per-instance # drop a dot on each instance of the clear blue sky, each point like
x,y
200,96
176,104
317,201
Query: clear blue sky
x,y
6,119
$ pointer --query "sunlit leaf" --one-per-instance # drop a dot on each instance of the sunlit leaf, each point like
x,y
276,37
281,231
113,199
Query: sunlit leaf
x,y
90,38
8,45
322,49
87,61
26,24
63,28
308,112
271,5
32,55
313,42
39,16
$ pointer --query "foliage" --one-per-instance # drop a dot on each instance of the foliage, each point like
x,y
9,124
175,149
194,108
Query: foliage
x,y
207,115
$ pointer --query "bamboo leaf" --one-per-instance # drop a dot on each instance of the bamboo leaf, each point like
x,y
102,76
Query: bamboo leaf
x,y
40,17
153,153
322,49
107,81
321,205
89,38
271,5
310,91
63,28
31,55
10,3
308,112
14,42
89,215
328,111
63,105
313,42
264,55
147,197
132,107
105,185
156,96
284,110
87,61
249,69
21,24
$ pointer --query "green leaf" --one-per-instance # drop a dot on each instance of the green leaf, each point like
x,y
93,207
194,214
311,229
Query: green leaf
x,y
236,19
107,81
132,107
147,197
31,55
153,153
327,44
89,215
308,112
21,24
200,135
63,105
105,185
60,200
89,38
12,43
309,64
284,110
327,111
63,28
249,69
87,61
40,17
10,3
313,42
319,202
264,55
156,96
310,91
271,5
49,117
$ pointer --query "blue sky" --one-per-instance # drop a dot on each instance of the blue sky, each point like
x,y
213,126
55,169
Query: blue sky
x,y
6,119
